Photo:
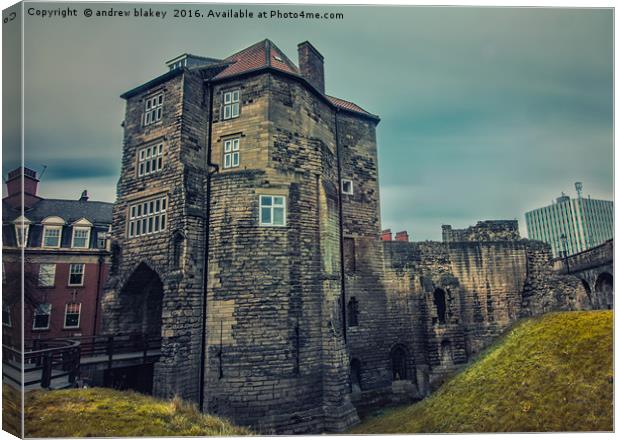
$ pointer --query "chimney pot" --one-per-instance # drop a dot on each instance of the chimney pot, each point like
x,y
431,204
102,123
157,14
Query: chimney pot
x,y
84,196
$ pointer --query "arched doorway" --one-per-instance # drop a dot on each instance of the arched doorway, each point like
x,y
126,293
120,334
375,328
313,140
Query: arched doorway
x,y
398,358
604,287
141,302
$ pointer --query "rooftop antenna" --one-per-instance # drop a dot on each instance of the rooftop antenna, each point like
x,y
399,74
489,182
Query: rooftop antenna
x,y
578,188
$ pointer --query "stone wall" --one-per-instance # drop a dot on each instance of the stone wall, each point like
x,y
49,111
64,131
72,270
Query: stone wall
x,y
488,230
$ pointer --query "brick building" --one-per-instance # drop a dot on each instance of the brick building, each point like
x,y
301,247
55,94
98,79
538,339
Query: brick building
x,y
66,261
246,233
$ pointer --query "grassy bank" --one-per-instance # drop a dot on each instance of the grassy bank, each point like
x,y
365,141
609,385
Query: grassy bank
x,y
552,373
105,412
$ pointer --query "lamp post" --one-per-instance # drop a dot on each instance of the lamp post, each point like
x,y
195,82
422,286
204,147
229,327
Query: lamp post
x,y
564,245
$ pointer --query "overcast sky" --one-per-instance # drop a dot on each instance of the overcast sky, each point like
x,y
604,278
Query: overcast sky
x,y
486,112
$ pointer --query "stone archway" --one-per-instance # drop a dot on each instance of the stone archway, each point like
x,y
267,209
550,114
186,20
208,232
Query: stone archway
x,y
604,288
141,301
399,360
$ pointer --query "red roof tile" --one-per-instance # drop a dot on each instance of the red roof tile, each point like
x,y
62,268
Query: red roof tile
x,y
347,105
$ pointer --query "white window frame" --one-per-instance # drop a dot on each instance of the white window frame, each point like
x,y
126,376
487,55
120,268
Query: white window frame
x,y
231,153
153,108
79,317
102,238
50,273
271,208
47,228
151,157
83,273
232,104
6,309
342,186
154,221
49,316
87,242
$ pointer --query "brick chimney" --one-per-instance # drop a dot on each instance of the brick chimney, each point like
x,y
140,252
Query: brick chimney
x,y
386,235
402,236
311,65
84,196
14,188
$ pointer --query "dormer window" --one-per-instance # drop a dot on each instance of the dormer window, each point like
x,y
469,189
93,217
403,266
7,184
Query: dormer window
x,y
52,232
22,226
231,104
81,234
153,109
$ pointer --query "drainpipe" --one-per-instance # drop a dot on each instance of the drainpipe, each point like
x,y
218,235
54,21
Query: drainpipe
x,y
100,261
341,227
205,267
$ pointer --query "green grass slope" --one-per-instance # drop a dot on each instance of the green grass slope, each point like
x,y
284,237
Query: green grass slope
x,y
102,412
551,373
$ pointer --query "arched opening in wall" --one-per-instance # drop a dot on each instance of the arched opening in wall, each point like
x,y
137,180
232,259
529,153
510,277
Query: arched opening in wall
x,y
604,287
439,298
356,376
141,302
445,353
398,358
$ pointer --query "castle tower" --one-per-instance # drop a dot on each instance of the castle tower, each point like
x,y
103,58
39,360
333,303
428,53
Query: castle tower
x,y
238,160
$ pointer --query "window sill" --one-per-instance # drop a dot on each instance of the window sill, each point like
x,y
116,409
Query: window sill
x,y
75,285
40,329
71,328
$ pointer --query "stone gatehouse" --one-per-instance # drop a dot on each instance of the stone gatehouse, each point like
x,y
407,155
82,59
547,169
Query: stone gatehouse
x,y
246,233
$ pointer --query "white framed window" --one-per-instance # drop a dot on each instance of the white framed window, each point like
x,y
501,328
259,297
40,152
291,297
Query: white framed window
x,y
47,275
153,108
148,217
81,237
231,153
76,274
72,315
231,104
42,315
150,159
347,186
6,316
272,210
52,236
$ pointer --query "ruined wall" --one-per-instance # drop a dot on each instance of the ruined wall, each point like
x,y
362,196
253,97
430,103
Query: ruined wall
x,y
488,230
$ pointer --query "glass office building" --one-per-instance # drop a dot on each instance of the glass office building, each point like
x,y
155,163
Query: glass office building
x,y
572,225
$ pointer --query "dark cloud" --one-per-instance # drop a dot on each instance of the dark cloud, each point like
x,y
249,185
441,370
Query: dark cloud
x,y
486,112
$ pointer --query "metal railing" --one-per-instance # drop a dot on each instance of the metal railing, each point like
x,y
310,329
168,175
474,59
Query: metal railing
x,y
61,357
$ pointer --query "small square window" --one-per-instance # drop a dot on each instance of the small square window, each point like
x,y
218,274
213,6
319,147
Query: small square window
x,y
272,210
42,314
76,274
231,104
47,275
347,186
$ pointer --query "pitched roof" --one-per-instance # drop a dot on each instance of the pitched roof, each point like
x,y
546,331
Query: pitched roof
x,y
69,210
259,55
348,105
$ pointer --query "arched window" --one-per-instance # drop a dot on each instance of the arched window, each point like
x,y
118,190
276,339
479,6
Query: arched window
x,y
439,298
398,356
353,311
356,375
